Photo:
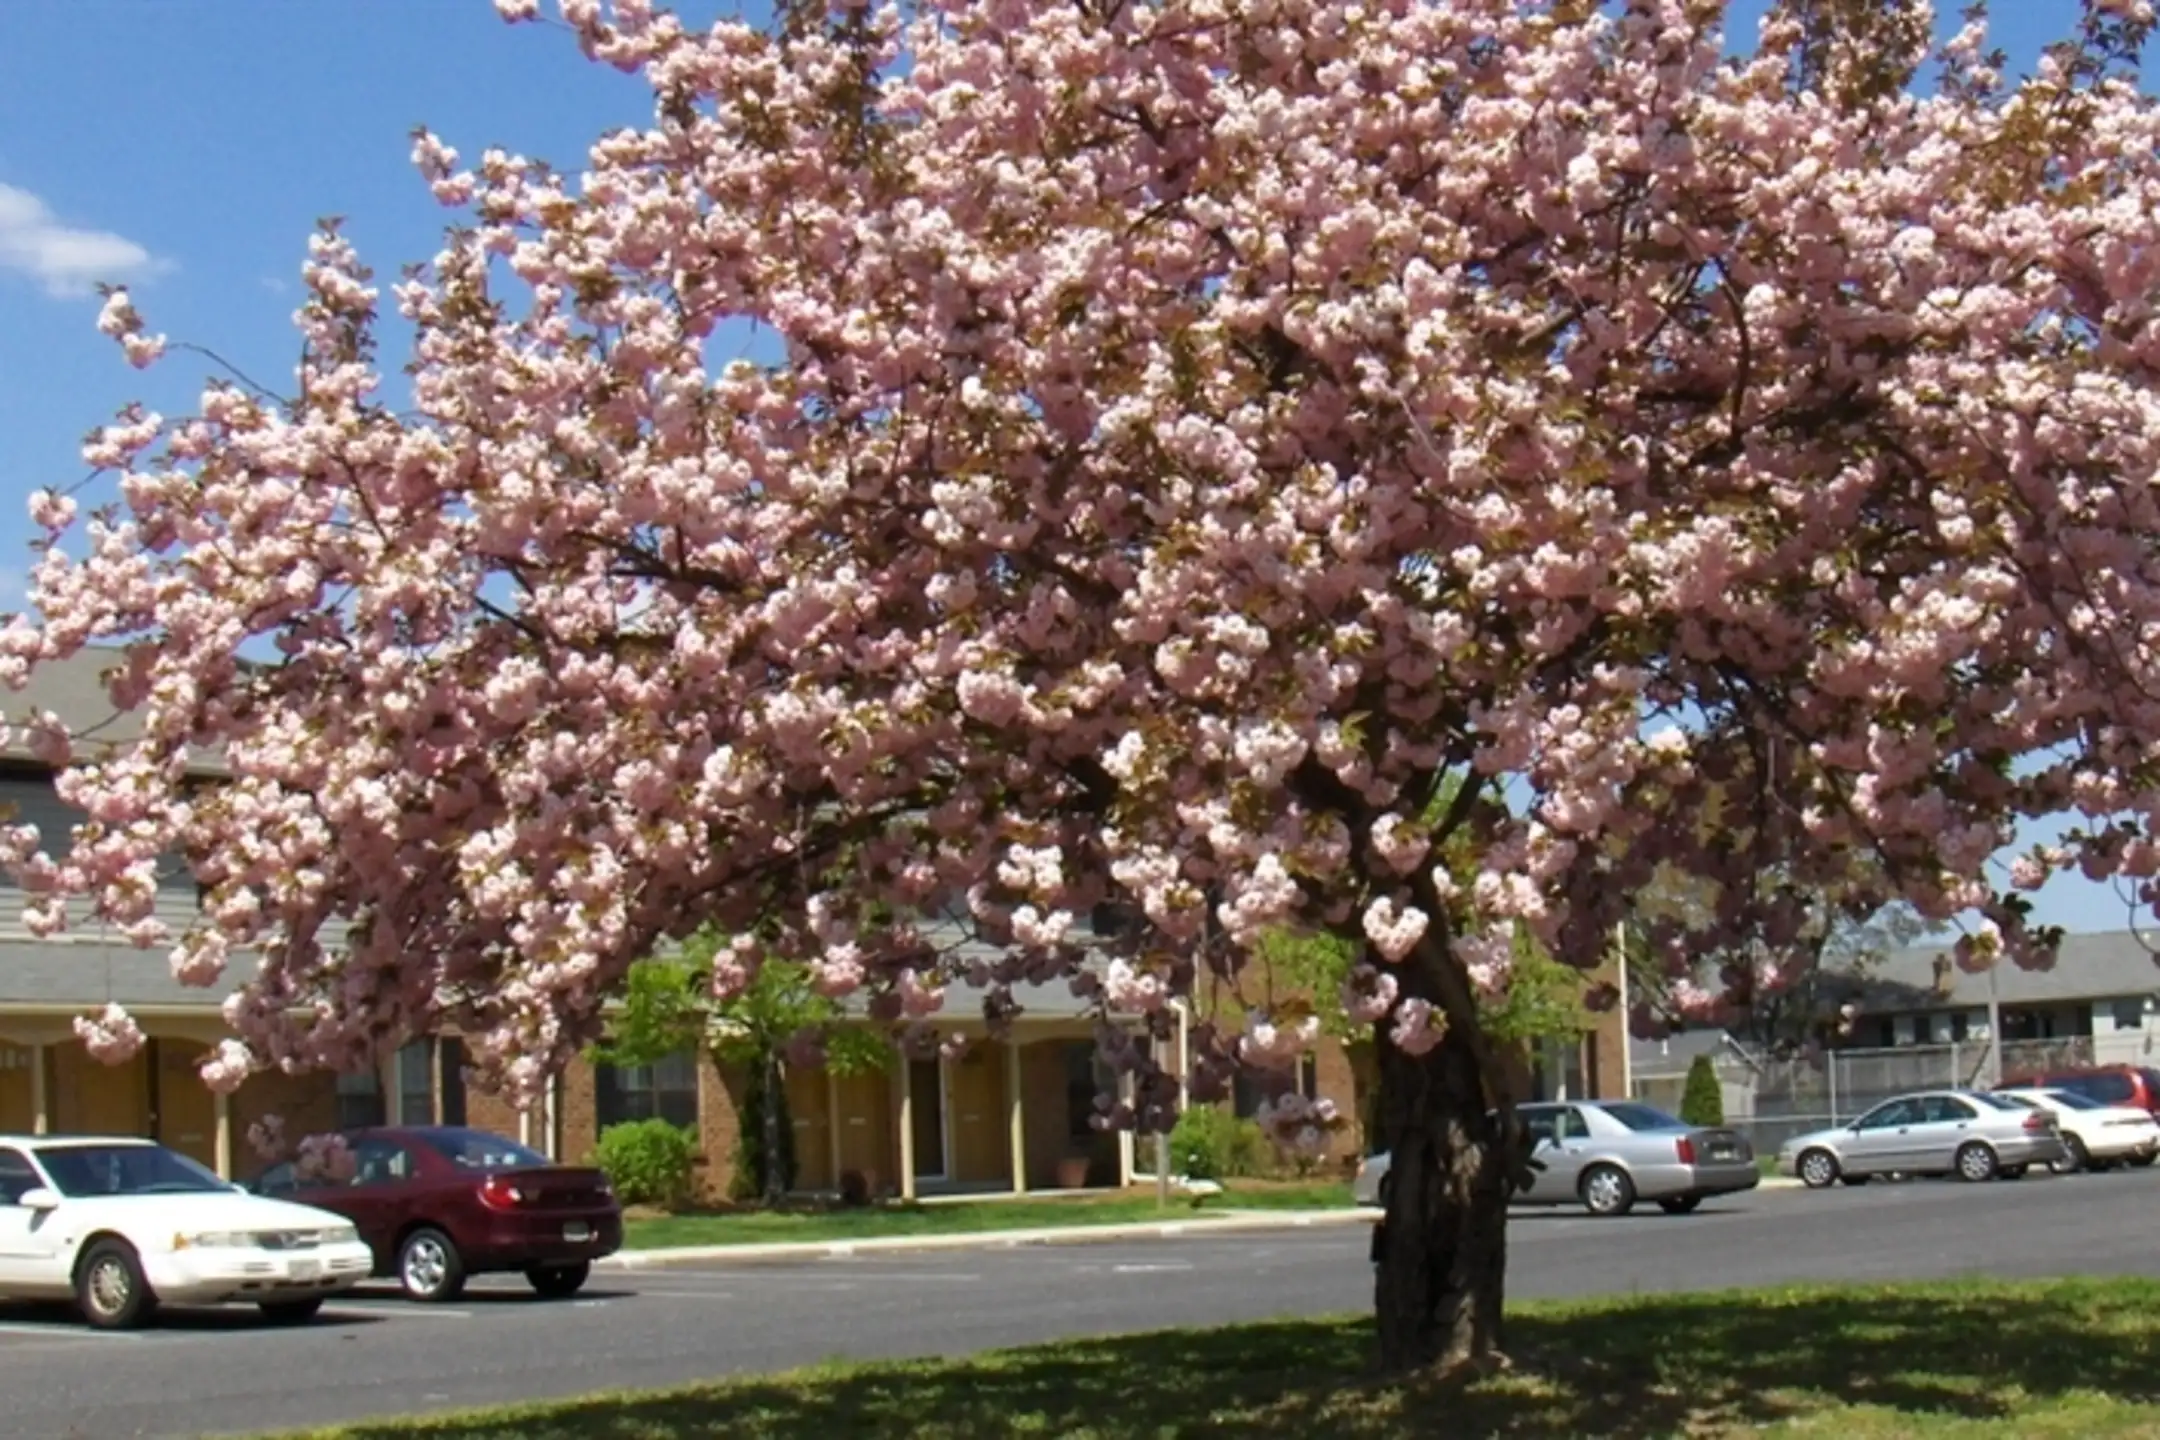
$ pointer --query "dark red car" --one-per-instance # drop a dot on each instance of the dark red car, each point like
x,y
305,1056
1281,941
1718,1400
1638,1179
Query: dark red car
x,y
440,1203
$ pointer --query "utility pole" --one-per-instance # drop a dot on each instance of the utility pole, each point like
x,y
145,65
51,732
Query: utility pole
x,y
1995,1037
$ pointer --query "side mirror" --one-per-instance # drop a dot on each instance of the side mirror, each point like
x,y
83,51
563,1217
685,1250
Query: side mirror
x,y
38,1197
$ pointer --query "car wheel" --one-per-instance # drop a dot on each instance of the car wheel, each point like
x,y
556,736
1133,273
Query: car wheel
x,y
1606,1190
558,1282
2075,1157
1975,1162
1818,1169
1679,1204
291,1312
110,1288
429,1267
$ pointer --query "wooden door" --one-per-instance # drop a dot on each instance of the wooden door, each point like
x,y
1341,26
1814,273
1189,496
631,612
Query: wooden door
x,y
866,1133
806,1097
92,1098
186,1110
18,1094
980,1135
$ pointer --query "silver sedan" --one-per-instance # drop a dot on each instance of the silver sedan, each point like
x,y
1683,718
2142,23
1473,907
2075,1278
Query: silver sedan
x,y
1967,1133
1607,1154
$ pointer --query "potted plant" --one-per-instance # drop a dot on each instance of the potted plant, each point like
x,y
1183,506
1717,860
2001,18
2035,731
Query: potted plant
x,y
1072,1171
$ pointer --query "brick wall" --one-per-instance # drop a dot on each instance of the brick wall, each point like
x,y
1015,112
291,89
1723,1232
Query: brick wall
x,y
494,1113
1605,1056
721,1095
577,1123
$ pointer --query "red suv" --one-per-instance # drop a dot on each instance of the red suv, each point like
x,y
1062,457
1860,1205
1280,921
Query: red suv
x,y
440,1203
2134,1085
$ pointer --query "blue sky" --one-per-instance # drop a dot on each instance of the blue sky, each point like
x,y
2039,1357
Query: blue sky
x,y
188,146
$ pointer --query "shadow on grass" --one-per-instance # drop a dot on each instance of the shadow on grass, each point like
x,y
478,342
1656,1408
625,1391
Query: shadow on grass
x,y
1640,1368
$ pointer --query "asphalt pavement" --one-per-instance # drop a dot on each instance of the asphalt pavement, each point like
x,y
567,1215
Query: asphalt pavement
x,y
223,1373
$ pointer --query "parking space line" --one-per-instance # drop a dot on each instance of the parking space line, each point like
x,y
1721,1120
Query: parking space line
x,y
397,1312
64,1333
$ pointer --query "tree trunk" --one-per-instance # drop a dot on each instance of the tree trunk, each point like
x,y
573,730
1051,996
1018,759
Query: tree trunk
x,y
1441,1270
776,1176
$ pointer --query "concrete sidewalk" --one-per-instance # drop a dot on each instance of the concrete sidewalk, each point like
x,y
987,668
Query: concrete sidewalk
x,y
1210,1222
1216,1222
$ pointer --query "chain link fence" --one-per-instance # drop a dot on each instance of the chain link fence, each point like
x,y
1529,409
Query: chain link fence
x,y
1772,1100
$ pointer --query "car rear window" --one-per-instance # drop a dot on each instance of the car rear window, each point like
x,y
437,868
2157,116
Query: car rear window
x,y
2001,1102
478,1150
2109,1087
1642,1117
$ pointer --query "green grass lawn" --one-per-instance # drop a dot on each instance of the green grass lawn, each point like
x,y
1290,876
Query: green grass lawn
x,y
2033,1361
763,1227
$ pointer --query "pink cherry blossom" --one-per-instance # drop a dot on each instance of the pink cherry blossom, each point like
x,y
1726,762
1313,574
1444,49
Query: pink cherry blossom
x,y
112,1037
1298,1125
266,1137
1164,480
1394,930
325,1158
227,1067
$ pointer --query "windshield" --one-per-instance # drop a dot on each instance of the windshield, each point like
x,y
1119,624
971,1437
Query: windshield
x,y
1642,1117
478,1150
84,1171
2071,1100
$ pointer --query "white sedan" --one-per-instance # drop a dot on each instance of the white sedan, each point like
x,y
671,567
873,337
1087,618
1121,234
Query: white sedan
x,y
2094,1135
122,1225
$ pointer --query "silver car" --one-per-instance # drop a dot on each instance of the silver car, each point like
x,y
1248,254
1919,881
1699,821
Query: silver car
x,y
1607,1154
1967,1133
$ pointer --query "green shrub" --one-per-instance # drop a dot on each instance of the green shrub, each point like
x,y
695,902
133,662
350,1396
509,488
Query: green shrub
x,y
1210,1143
1703,1102
649,1162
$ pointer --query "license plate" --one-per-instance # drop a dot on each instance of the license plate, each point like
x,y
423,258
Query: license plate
x,y
1723,1152
577,1231
305,1269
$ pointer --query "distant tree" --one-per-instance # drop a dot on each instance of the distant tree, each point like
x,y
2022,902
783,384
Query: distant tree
x,y
1774,1000
668,1007
1703,1102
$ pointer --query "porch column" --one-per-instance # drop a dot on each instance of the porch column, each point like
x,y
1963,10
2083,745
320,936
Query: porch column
x,y
1184,1054
907,1127
40,1100
1125,1138
525,1120
832,1123
221,1105
548,1102
1016,1116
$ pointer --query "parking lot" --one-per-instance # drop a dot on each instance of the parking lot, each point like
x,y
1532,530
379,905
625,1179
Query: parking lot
x,y
372,1355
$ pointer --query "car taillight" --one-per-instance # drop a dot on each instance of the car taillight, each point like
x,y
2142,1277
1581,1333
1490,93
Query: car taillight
x,y
1684,1147
500,1194
2037,1121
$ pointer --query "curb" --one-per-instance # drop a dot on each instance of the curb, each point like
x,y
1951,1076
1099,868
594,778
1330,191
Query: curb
x,y
1225,1221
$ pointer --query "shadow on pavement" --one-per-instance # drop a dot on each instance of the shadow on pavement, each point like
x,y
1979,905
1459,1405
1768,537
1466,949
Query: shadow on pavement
x,y
1913,1357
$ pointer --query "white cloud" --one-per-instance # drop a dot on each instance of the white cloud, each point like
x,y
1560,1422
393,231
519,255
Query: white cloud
x,y
66,260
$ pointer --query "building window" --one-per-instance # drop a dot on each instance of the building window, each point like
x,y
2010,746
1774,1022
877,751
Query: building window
x,y
450,1078
1251,1090
415,1070
2129,1014
360,1101
665,1090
